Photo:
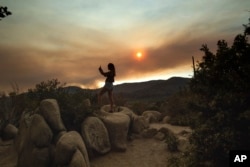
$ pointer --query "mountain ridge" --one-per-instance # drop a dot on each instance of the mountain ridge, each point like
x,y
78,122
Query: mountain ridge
x,y
153,89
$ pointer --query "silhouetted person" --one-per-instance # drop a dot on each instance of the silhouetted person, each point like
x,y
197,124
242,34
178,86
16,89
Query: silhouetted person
x,y
108,87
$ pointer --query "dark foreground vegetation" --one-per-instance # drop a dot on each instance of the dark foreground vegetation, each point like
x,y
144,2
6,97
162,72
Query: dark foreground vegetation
x,y
219,95
215,104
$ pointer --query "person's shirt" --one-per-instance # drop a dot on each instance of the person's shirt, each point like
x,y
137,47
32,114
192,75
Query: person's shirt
x,y
110,76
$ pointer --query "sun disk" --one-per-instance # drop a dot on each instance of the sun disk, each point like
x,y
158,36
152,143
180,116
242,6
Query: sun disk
x,y
139,54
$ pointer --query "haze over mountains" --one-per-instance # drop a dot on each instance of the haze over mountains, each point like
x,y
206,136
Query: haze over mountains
x,y
148,90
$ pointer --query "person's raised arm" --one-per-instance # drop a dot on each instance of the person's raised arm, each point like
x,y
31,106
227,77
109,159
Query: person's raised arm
x,y
101,71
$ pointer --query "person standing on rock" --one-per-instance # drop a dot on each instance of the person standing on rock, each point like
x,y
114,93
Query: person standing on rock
x,y
108,87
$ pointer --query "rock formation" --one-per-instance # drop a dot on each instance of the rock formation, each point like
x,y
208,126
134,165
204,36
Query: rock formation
x,y
9,132
152,116
69,148
95,135
42,139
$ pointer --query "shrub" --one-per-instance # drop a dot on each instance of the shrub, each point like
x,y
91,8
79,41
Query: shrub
x,y
11,107
73,111
178,109
170,139
220,88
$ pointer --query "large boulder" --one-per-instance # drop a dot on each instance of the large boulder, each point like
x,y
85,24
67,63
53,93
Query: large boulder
x,y
139,124
33,142
49,109
166,119
40,133
95,135
77,160
152,116
117,125
105,109
9,132
33,156
40,157
42,140
23,132
149,133
127,111
66,150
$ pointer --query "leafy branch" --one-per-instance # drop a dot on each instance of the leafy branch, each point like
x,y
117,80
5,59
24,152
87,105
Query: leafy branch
x,y
4,12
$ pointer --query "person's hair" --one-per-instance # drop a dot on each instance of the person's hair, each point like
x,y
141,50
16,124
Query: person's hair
x,y
111,67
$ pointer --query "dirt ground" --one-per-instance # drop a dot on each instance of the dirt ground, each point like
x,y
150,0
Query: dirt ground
x,y
140,152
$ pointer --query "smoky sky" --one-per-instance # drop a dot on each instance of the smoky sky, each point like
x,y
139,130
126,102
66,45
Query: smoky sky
x,y
68,41
28,66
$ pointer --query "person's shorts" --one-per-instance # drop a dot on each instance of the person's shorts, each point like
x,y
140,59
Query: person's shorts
x,y
108,85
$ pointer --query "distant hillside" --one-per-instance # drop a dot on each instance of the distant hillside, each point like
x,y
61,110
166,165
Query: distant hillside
x,y
149,90
155,89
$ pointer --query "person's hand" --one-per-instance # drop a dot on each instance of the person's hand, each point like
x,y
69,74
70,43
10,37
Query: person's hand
x,y
100,69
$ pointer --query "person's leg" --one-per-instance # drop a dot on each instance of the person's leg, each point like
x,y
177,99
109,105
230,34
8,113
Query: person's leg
x,y
103,90
111,100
